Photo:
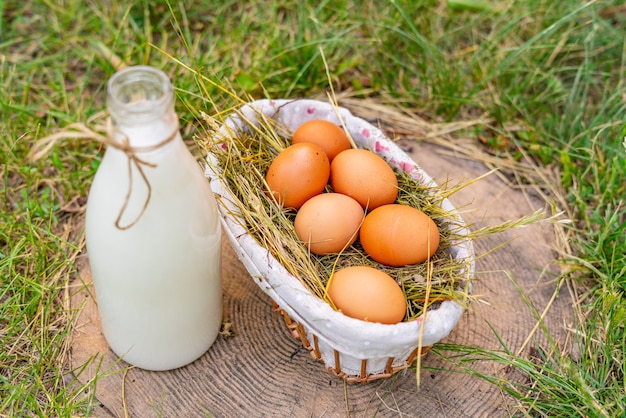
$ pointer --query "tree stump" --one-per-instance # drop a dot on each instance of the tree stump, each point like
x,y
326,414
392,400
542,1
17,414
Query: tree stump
x,y
256,368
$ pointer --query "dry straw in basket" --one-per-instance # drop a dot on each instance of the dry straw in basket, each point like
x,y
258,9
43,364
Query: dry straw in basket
x,y
244,158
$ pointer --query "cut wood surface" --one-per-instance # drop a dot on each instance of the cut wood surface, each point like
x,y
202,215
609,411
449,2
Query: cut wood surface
x,y
260,370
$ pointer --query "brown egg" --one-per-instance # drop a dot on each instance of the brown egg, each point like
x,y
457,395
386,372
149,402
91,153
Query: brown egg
x,y
364,176
366,293
298,173
329,222
398,235
330,137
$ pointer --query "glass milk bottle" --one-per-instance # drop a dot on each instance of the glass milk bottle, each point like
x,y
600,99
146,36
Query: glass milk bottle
x,y
152,231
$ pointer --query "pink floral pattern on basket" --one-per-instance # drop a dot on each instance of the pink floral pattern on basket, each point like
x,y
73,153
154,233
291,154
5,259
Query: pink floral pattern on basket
x,y
378,147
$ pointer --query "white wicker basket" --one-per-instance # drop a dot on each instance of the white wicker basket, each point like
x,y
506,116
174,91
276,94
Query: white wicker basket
x,y
352,349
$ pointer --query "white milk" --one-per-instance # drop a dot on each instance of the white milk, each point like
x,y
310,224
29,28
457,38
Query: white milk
x,y
158,283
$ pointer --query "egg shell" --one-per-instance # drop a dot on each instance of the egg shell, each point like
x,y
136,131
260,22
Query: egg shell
x,y
298,173
398,235
330,137
366,293
364,176
329,222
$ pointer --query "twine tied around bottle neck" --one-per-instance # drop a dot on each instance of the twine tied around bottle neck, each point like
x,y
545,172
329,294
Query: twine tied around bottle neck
x,y
81,131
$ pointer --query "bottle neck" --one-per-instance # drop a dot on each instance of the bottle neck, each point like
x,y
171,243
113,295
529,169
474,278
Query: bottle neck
x,y
140,100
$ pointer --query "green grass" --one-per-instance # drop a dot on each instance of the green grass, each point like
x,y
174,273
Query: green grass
x,y
550,76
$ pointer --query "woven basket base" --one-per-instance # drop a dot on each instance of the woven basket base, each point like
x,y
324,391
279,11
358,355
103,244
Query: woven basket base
x,y
297,331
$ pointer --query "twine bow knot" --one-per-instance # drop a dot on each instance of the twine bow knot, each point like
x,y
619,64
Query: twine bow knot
x,y
81,131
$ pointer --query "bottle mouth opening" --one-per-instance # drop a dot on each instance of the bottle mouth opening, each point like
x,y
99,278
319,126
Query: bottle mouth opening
x,y
138,89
